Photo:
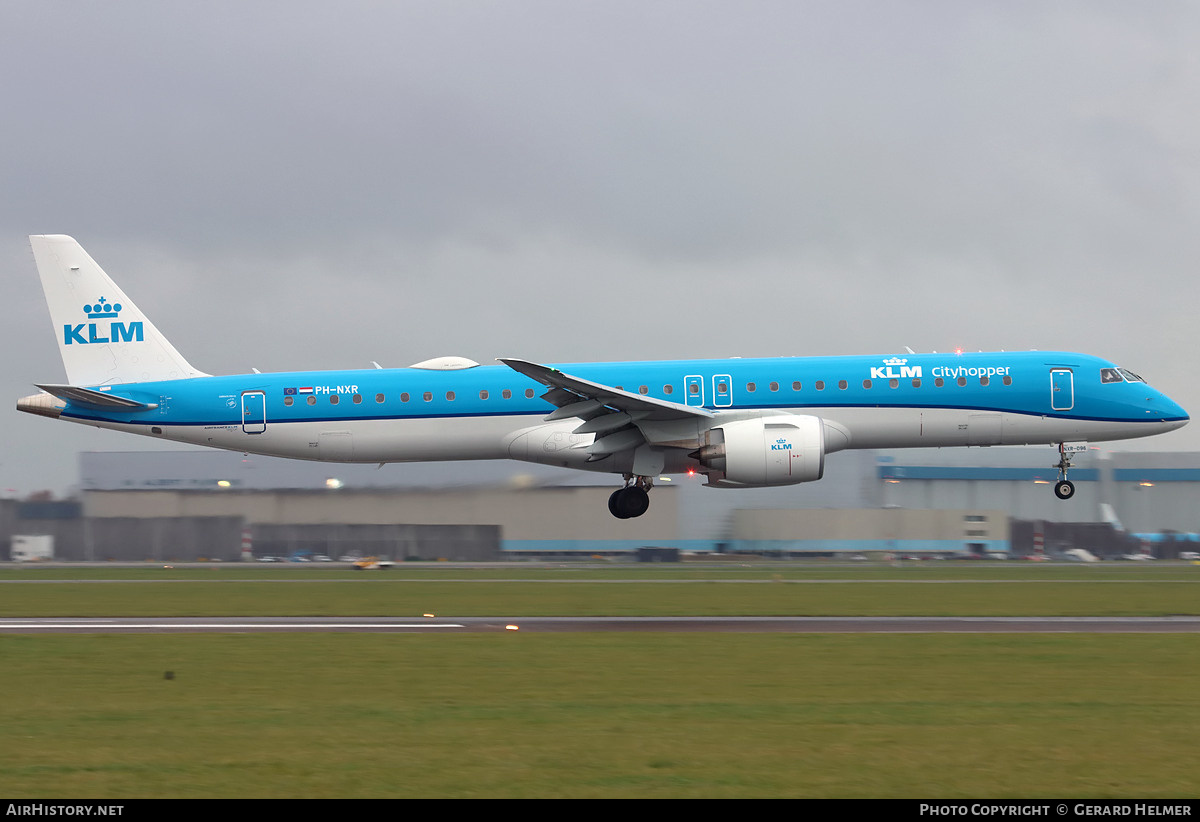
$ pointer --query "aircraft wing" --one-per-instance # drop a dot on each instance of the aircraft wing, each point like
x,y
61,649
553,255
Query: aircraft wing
x,y
569,392
621,420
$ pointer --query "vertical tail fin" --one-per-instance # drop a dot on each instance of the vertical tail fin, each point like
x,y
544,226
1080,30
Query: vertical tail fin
x,y
102,336
1109,515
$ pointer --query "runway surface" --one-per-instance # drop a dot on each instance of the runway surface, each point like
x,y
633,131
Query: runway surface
x,y
448,625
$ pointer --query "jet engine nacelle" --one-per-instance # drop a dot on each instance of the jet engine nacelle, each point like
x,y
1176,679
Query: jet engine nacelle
x,y
780,450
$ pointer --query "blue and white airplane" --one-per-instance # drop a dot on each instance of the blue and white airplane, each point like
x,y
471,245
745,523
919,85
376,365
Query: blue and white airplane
x,y
743,423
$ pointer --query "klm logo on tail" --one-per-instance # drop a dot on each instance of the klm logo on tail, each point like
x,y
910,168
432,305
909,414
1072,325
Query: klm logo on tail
x,y
117,331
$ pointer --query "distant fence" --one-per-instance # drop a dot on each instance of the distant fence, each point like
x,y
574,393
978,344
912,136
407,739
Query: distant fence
x,y
394,542
184,539
125,539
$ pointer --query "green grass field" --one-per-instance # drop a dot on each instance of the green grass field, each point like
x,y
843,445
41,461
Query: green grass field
x,y
600,715
936,589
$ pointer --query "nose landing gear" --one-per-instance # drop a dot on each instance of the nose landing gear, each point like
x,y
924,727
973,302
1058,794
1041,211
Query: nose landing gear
x,y
1064,488
633,500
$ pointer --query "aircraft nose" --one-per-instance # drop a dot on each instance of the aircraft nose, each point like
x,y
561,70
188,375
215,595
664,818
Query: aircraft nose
x,y
1171,413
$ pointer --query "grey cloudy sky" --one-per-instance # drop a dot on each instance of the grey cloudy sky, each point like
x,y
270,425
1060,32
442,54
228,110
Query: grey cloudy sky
x,y
292,185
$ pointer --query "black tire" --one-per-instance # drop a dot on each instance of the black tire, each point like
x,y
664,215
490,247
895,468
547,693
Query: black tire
x,y
634,502
614,504
627,503
1064,489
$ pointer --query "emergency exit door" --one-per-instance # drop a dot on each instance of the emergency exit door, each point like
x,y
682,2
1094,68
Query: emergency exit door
x,y
722,391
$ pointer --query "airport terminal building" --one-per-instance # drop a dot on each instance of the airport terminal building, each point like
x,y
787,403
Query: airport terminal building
x,y
163,505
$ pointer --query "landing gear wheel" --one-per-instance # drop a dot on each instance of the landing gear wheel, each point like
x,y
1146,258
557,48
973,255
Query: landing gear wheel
x,y
614,504
637,501
627,503
1064,488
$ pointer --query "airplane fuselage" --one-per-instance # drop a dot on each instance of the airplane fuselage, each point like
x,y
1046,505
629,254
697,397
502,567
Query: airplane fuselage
x,y
493,412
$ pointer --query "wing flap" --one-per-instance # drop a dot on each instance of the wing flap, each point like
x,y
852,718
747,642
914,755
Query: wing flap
x,y
583,409
615,443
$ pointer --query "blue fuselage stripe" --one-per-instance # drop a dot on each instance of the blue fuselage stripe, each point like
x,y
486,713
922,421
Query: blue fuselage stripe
x,y
1012,383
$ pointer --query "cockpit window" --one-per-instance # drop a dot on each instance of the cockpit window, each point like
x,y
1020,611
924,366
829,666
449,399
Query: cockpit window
x,y
1108,375
1129,375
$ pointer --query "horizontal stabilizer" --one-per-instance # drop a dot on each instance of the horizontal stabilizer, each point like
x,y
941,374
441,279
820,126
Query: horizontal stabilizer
x,y
94,399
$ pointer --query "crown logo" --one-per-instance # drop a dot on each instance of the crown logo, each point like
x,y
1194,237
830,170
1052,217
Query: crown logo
x,y
895,361
102,309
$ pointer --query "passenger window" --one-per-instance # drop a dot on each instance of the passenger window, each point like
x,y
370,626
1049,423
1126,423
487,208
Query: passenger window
x,y
667,389
796,385
404,397
820,385
750,387
450,396
893,383
866,383
312,400
643,389
529,393
916,383
427,396
842,384
939,382
774,386
379,398
483,395
984,381
288,400
962,380
693,389
333,399
357,399
506,394
1008,380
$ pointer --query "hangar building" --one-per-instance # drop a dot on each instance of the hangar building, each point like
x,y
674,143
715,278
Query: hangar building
x,y
181,504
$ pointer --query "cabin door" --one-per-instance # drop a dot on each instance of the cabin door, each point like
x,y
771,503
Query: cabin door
x,y
1062,389
254,412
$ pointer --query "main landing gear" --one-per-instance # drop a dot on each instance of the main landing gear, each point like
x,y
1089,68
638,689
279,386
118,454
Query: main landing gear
x,y
633,500
1064,488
